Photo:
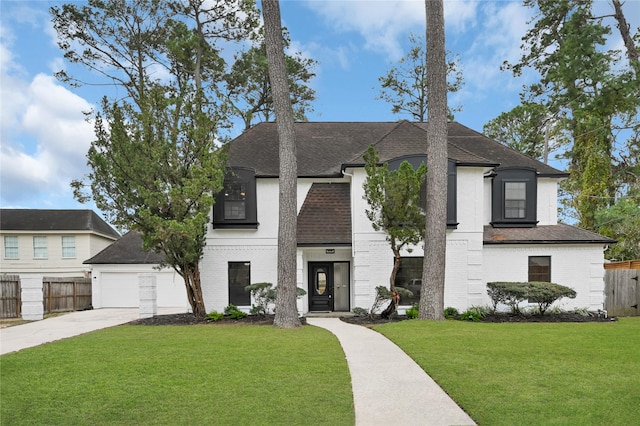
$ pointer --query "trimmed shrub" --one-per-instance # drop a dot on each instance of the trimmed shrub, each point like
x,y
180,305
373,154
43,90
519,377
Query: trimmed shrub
x,y
514,293
264,295
451,313
360,312
412,313
215,316
232,311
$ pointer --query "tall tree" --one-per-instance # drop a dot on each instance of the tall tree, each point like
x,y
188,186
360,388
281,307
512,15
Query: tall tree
x,y
587,85
249,92
435,247
405,85
394,208
286,309
155,162
527,128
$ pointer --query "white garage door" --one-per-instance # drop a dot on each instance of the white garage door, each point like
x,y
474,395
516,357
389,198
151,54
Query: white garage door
x,y
120,290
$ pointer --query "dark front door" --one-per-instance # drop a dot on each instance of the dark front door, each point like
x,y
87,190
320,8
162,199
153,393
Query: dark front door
x,y
320,286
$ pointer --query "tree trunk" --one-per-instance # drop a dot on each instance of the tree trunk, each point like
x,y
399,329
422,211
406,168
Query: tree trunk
x,y
623,26
433,269
286,309
191,276
392,308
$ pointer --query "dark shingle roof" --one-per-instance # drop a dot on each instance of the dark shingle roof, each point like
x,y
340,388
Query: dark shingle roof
x,y
544,234
55,220
325,216
324,147
127,250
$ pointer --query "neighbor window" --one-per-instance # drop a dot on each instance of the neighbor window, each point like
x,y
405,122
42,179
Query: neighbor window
x,y
409,276
514,198
40,247
69,247
235,205
540,268
11,247
239,278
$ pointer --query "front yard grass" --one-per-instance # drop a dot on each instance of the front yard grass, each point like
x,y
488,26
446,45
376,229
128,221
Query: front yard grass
x,y
132,375
531,374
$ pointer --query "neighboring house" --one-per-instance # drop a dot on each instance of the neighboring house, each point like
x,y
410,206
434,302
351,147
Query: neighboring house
x,y
115,270
52,243
501,220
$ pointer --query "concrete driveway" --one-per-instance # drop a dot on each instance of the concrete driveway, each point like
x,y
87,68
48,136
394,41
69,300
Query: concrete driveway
x,y
36,333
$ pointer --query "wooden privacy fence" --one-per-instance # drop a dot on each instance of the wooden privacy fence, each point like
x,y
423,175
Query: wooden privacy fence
x,y
66,294
621,288
10,302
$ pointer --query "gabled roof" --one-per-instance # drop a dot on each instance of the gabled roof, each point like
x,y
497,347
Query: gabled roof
x,y
127,250
27,220
543,234
325,216
323,148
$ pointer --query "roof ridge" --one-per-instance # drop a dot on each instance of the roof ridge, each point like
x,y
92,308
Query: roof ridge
x,y
396,125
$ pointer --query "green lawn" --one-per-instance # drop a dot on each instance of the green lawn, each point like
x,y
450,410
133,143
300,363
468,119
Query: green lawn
x,y
531,374
180,375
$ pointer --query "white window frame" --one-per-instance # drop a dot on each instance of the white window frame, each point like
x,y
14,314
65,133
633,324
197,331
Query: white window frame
x,y
11,251
40,247
68,247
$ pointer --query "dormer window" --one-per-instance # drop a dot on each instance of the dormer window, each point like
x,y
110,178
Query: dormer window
x,y
514,198
235,205
235,201
415,161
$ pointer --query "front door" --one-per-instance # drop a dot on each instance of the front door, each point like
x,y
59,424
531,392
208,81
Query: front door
x,y
329,286
320,286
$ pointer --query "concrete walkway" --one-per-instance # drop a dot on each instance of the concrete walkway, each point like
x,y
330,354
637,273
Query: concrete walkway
x,y
36,333
377,367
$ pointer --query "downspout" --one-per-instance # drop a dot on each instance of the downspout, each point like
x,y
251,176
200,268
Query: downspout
x,y
353,240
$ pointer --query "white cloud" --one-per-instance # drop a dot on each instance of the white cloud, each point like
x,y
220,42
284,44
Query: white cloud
x,y
46,146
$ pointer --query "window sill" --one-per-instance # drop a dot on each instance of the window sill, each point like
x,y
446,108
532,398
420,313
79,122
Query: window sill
x,y
519,224
245,225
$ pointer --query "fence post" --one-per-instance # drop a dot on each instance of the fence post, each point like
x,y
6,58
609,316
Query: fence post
x,y
148,295
32,297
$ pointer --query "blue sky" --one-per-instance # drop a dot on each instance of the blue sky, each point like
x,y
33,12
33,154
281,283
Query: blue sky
x,y
44,135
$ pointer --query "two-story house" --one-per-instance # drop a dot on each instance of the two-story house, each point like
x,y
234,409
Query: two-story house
x,y
502,220
54,243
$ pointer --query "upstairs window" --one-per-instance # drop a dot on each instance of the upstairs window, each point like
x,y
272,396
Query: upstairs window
x,y
415,161
514,198
68,247
235,205
39,247
11,248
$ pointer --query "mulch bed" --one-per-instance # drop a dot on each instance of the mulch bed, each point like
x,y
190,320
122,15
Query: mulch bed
x,y
189,319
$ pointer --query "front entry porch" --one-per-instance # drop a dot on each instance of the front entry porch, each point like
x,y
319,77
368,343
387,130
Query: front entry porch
x,y
329,286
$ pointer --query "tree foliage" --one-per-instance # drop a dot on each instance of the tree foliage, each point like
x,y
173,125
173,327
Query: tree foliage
x,y
527,128
593,92
395,208
156,163
405,84
248,89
